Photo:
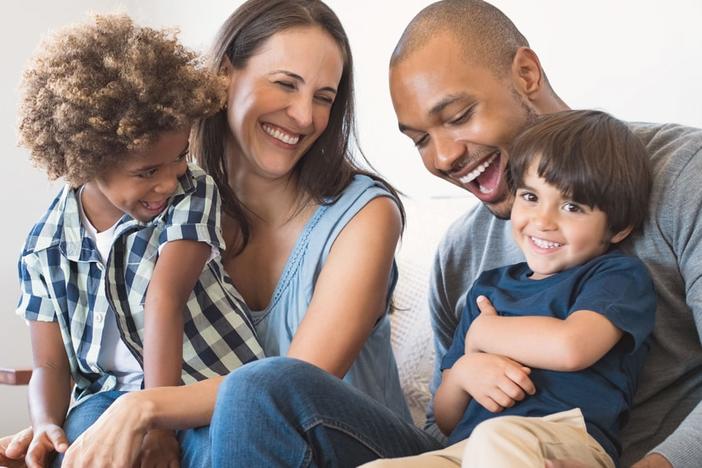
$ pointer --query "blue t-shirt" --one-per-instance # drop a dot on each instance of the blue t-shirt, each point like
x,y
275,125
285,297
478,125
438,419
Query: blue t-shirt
x,y
615,285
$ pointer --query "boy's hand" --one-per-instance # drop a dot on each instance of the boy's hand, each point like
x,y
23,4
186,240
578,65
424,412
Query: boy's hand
x,y
160,449
47,438
495,382
13,448
486,312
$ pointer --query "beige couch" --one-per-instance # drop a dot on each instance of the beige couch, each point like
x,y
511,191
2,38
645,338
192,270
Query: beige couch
x,y
427,221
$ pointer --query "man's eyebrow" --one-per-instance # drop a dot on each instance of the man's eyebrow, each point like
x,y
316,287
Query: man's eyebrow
x,y
297,77
447,101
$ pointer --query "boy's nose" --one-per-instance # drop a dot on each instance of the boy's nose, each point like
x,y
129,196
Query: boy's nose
x,y
545,219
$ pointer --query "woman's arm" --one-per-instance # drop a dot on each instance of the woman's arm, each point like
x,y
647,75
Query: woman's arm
x,y
116,438
351,291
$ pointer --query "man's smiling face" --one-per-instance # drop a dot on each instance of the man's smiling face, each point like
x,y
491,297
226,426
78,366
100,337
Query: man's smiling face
x,y
461,117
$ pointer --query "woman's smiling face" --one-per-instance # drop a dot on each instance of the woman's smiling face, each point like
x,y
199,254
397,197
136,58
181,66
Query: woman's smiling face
x,y
279,102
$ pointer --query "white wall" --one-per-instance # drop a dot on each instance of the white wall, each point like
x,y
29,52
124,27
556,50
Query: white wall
x,y
637,59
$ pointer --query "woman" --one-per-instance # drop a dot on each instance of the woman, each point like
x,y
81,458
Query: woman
x,y
311,236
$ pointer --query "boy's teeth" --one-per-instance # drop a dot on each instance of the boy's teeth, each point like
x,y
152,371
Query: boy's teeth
x,y
477,171
278,135
544,244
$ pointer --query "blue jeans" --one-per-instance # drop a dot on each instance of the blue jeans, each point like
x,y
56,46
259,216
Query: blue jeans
x,y
194,443
282,412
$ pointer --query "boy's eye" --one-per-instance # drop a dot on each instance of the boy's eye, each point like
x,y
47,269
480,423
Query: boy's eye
x,y
572,208
528,196
146,174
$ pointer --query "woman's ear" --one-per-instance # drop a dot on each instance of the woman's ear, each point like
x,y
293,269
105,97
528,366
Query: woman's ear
x,y
226,68
621,235
526,73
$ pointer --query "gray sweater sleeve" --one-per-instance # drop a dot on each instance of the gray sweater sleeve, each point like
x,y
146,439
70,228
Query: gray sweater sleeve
x,y
681,208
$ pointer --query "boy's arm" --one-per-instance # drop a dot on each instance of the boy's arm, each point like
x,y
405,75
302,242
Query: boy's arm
x,y
49,391
495,382
544,342
177,269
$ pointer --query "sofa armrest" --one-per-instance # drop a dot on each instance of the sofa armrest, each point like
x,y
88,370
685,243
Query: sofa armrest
x,y
15,376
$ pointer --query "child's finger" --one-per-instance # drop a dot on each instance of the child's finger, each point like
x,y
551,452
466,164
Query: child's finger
x,y
58,439
19,444
522,379
485,306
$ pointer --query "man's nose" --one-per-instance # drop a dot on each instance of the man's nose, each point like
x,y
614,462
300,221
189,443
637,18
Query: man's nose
x,y
448,153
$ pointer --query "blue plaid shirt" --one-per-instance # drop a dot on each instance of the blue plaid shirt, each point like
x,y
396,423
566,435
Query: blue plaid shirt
x,y
64,280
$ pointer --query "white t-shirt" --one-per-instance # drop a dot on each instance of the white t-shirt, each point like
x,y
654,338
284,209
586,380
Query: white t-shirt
x,y
114,356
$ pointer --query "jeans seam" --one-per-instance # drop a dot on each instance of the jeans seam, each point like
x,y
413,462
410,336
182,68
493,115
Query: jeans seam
x,y
313,422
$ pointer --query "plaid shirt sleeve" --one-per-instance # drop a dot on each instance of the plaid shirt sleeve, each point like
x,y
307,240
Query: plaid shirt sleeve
x,y
196,215
35,301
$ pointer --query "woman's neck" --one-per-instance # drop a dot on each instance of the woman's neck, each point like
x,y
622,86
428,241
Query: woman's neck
x,y
271,202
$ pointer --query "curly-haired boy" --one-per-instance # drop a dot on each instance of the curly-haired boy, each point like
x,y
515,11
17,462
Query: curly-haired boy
x,y
122,282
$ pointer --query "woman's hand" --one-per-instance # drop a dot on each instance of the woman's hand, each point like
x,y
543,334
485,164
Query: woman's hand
x,y
13,448
116,438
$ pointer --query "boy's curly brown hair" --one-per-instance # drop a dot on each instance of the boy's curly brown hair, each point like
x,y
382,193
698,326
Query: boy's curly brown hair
x,y
98,90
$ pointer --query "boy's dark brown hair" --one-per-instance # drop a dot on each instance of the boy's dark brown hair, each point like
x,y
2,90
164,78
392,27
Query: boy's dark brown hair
x,y
592,158
98,90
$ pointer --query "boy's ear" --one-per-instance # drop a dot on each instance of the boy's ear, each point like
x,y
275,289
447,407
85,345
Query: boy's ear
x,y
621,235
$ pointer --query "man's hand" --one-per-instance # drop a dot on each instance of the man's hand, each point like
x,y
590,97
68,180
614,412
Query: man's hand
x,y
160,449
653,460
486,312
48,438
495,382
13,448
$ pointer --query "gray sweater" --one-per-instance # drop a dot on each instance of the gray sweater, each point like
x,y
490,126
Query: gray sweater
x,y
667,413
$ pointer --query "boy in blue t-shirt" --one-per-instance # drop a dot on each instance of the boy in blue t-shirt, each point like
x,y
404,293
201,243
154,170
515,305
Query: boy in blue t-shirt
x,y
545,360
122,280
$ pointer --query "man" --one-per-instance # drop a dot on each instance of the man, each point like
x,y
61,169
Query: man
x,y
462,115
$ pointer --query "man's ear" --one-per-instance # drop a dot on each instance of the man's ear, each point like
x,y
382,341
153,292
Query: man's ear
x,y
527,74
621,235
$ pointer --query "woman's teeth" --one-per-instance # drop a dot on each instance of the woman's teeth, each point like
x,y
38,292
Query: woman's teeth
x,y
472,175
280,135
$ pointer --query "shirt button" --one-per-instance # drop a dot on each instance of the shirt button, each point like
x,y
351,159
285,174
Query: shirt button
x,y
99,318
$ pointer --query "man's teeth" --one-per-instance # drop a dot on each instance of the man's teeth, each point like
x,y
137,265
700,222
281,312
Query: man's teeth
x,y
544,244
282,136
477,171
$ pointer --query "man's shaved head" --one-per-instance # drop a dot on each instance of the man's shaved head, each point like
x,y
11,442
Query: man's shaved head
x,y
486,35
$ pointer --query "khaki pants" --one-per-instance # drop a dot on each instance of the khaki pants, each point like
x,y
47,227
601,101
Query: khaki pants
x,y
514,441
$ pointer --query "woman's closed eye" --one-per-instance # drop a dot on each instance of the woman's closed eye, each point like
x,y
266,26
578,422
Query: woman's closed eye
x,y
288,85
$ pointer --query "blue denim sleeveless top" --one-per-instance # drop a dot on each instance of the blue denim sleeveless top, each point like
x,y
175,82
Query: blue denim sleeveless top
x,y
374,371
